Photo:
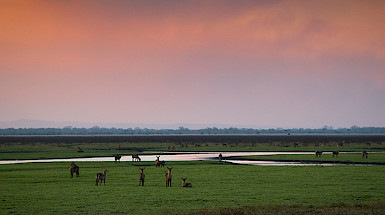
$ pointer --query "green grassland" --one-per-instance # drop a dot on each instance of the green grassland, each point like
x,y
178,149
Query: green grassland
x,y
47,188
378,158
36,150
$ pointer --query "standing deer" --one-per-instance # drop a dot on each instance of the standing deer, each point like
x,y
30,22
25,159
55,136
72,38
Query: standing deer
x,y
117,158
74,168
141,177
101,177
168,177
157,162
336,153
318,153
135,157
364,154
184,184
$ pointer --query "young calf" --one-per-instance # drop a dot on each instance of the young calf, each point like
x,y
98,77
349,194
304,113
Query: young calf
x,y
101,177
162,163
168,177
184,184
74,168
141,177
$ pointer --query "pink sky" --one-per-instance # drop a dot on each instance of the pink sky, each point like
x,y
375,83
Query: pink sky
x,y
257,63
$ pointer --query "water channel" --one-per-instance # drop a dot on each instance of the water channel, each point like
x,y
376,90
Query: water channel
x,y
186,156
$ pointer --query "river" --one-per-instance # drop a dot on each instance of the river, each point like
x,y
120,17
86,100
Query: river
x,y
184,156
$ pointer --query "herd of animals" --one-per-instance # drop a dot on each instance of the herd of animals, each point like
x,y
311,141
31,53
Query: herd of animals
x,y
101,177
336,153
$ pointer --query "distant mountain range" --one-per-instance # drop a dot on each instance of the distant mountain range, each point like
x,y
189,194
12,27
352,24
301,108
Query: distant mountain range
x,y
29,123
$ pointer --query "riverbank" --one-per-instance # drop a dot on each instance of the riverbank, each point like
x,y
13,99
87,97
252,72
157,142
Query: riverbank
x,y
377,158
13,150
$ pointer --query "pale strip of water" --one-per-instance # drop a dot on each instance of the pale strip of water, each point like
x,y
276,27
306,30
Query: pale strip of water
x,y
285,163
186,156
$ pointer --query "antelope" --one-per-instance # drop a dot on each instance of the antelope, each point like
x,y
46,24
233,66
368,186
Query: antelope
x,y
141,177
162,163
184,184
117,158
101,177
168,177
318,153
336,153
74,168
135,157
364,154
157,162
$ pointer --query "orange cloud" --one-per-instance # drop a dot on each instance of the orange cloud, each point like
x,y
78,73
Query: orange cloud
x,y
90,37
290,29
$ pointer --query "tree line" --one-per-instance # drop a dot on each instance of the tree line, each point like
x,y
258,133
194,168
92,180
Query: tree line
x,y
182,130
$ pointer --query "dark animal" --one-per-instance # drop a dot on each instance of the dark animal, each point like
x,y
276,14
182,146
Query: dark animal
x,y
162,163
220,157
74,169
101,177
141,177
318,153
184,184
364,154
168,177
135,157
80,150
117,158
336,153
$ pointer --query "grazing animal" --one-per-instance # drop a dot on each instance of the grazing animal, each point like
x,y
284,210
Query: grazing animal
x,y
80,150
135,157
336,153
364,154
157,162
141,177
220,157
184,184
318,153
101,177
117,158
162,163
74,169
168,177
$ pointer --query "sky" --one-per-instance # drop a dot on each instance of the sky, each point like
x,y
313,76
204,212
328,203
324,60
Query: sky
x,y
261,63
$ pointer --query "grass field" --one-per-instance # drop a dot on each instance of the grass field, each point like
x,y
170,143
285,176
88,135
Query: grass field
x,y
218,188
13,151
342,157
